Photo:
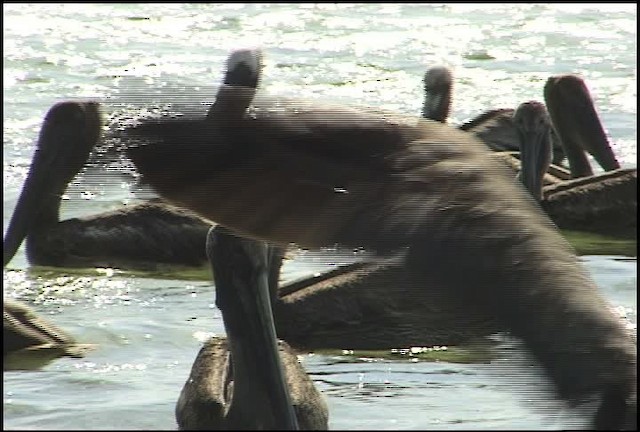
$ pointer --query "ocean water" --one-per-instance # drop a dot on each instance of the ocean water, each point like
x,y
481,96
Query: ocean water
x,y
148,330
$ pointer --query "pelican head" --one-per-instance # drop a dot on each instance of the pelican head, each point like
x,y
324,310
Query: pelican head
x,y
260,396
534,129
575,120
70,131
438,81
243,68
241,80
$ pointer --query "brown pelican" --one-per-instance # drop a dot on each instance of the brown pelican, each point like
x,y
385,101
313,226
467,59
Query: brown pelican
x,y
605,203
365,314
438,82
534,129
494,127
576,122
355,307
159,232
575,119
373,306
30,341
247,381
317,175
139,236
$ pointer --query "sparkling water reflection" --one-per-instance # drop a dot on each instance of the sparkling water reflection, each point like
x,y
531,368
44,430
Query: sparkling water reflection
x,y
149,330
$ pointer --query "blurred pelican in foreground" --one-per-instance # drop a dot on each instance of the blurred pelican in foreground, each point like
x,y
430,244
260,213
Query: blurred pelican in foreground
x,y
319,175
363,309
379,305
248,380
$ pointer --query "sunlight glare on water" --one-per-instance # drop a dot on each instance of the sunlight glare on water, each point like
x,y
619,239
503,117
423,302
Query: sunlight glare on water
x,y
149,56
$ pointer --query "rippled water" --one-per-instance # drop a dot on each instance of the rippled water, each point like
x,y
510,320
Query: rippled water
x,y
148,330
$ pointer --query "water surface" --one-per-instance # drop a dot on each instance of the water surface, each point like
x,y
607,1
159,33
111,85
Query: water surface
x,y
149,330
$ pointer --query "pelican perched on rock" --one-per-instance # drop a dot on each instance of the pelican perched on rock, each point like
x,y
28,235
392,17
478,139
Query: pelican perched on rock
x,y
494,127
575,119
317,175
247,381
140,236
604,203
29,341
534,130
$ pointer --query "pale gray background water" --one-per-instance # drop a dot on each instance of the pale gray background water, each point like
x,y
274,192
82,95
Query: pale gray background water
x,y
148,329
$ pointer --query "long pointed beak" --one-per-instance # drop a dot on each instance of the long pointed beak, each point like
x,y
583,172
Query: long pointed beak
x,y
253,325
536,153
34,192
266,349
577,123
69,132
590,132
